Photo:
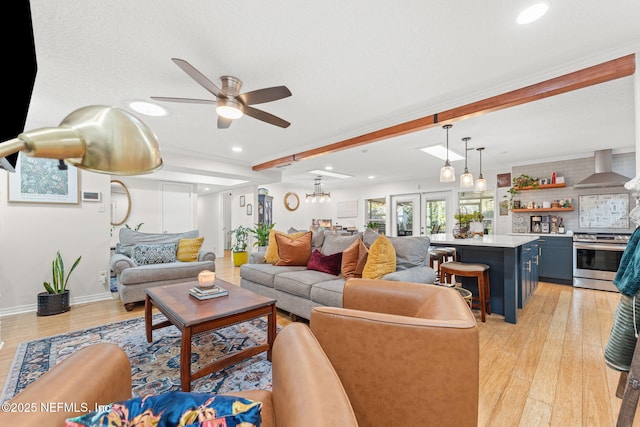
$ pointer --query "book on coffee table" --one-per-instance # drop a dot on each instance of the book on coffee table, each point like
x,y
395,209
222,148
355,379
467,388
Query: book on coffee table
x,y
203,294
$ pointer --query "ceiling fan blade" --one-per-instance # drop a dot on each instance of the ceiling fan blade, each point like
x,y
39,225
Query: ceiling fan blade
x,y
265,117
198,76
224,123
265,95
189,100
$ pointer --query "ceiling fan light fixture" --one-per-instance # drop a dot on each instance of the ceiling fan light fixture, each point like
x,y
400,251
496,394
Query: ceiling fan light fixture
x,y
466,179
229,108
447,173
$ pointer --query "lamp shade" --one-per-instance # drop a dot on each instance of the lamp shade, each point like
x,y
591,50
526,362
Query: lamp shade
x,y
447,173
481,184
466,180
95,138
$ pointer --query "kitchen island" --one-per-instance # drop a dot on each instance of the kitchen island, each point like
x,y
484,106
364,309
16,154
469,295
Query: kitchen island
x,y
513,267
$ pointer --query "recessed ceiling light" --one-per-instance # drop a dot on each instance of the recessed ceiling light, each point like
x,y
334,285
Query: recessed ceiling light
x,y
371,177
148,108
533,13
331,174
328,168
440,151
237,149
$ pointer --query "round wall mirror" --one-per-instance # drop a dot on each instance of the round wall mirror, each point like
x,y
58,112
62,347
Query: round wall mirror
x,y
120,202
291,201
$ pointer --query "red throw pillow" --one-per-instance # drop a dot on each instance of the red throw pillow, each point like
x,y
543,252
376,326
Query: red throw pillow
x,y
330,264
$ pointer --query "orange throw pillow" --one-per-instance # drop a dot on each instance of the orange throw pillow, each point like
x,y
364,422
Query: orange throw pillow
x,y
271,256
354,259
293,251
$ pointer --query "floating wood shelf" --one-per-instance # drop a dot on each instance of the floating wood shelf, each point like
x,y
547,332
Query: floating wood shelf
x,y
569,209
543,187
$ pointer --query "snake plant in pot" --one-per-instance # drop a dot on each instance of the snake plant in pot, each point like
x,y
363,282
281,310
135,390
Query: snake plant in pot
x,y
56,298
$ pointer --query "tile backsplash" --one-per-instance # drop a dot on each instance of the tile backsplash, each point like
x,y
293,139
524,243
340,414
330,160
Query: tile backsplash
x,y
573,172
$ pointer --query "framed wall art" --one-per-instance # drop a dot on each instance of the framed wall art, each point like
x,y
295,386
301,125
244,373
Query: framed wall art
x,y
249,209
242,201
38,180
503,179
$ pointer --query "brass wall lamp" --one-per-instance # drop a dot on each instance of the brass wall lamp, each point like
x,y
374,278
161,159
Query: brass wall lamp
x,y
95,138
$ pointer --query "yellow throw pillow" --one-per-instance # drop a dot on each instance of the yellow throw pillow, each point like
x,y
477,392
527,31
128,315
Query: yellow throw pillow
x,y
271,256
188,249
381,259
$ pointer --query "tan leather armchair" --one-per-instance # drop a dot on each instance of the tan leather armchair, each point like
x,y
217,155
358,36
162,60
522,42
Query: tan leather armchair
x,y
406,353
306,391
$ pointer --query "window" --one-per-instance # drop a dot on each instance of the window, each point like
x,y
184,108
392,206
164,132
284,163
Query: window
x,y
436,216
376,213
482,202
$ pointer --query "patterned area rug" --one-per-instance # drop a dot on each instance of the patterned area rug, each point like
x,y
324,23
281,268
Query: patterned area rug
x,y
155,366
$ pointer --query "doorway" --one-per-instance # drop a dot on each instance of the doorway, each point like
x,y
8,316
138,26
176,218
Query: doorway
x,y
405,213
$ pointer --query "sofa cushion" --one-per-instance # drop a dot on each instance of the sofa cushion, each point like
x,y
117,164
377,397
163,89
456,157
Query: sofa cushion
x,y
293,251
271,256
163,272
326,263
299,283
129,238
176,408
317,240
264,274
143,254
381,259
354,258
188,249
328,293
424,274
411,251
334,243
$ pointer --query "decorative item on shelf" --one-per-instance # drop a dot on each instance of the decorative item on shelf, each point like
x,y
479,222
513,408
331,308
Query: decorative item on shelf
x,y
466,179
519,183
56,298
481,183
206,279
447,173
476,226
318,195
239,248
261,233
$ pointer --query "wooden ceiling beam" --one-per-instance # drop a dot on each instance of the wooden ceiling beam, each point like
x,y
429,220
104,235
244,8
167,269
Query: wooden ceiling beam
x,y
610,70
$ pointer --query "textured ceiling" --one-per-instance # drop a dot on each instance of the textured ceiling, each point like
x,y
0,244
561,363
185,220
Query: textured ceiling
x,y
353,67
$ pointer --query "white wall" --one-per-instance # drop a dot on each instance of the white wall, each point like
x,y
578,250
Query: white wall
x,y
32,233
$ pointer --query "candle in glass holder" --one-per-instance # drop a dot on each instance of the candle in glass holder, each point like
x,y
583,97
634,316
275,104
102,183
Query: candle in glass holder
x,y
206,279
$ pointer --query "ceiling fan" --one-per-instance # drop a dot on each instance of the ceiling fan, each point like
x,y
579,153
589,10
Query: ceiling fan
x,y
230,103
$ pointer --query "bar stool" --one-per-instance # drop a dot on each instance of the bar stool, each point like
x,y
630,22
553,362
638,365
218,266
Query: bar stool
x,y
436,256
467,269
451,253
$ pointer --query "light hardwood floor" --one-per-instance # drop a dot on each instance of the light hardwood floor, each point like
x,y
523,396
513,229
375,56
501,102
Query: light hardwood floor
x,y
548,369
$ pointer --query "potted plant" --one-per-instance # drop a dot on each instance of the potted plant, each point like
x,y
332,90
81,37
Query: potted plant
x,y
518,183
261,233
476,226
372,226
239,249
462,230
56,298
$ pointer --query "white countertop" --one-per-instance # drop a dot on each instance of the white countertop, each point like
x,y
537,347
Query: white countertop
x,y
569,233
500,241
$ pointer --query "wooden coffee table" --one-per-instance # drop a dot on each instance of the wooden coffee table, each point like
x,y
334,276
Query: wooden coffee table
x,y
193,316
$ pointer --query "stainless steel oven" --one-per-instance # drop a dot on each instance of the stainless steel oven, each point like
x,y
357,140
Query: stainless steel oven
x,y
596,258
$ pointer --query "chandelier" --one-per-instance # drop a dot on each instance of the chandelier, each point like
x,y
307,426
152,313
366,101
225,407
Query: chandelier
x,y
318,195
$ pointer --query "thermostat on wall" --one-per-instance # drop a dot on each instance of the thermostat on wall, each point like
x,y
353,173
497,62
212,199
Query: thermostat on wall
x,y
91,196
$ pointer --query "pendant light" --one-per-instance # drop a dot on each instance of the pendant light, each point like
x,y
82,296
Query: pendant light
x,y
466,179
447,173
481,183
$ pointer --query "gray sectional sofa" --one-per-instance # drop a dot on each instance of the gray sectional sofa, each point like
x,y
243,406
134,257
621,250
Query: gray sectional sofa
x,y
297,289
132,279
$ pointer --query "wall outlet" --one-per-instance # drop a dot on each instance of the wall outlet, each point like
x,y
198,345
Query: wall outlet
x,y
102,277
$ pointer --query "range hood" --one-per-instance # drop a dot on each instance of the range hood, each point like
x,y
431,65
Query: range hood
x,y
604,176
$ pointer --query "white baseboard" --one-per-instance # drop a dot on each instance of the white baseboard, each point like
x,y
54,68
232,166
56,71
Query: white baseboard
x,y
74,301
